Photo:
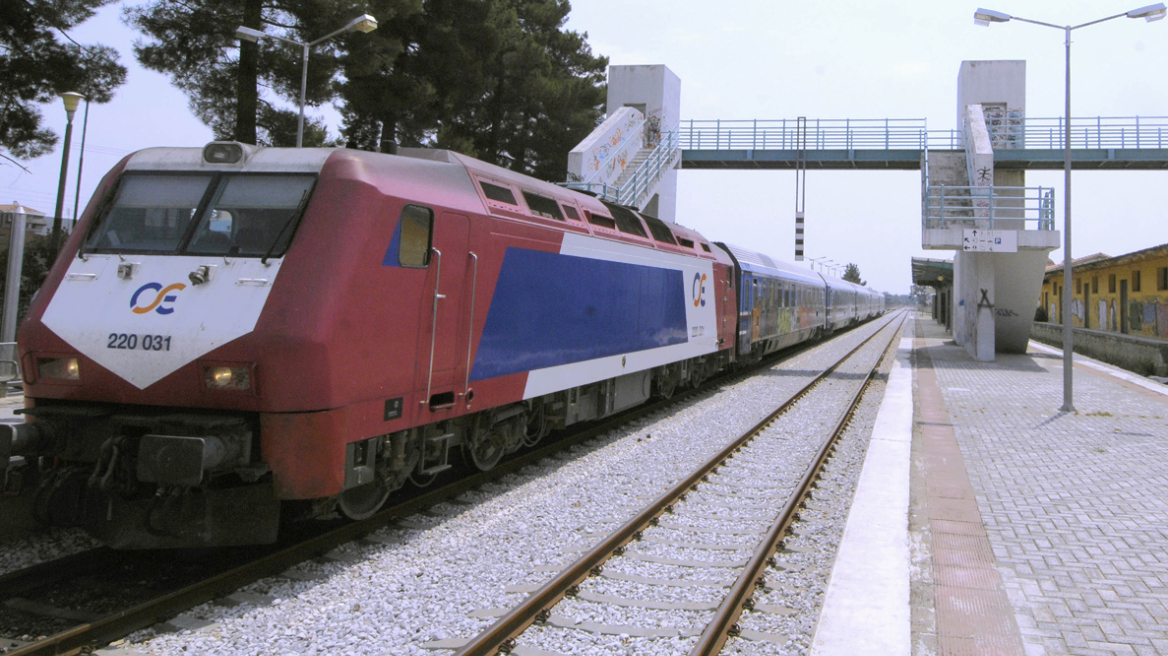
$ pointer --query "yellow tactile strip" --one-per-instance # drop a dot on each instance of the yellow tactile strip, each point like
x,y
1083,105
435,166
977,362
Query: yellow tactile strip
x,y
973,614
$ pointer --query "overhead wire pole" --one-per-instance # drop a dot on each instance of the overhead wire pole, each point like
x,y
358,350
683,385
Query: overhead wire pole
x,y
800,182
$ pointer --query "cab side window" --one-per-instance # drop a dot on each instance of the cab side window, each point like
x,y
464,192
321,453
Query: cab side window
x,y
417,227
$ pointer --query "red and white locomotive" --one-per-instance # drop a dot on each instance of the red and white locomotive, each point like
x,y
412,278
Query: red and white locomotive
x,y
234,333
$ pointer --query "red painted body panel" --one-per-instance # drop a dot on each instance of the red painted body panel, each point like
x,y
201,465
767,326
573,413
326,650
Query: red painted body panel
x,y
340,333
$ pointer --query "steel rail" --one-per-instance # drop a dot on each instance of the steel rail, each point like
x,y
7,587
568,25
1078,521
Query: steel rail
x,y
724,625
499,637
84,638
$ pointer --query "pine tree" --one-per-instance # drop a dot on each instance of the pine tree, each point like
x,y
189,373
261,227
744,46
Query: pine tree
x,y
35,66
852,274
194,43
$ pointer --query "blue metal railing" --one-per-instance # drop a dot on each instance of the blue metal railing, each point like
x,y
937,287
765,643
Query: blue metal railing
x,y
950,206
913,134
1100,132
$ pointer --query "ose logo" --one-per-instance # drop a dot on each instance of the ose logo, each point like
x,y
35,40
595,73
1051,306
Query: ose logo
x,y
164,296
699,288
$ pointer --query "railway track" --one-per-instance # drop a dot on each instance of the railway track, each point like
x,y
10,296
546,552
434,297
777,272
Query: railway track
x,y
43,591
706,523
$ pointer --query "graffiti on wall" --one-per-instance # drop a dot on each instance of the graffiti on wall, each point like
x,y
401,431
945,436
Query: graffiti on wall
x,y
1004,125
1149,317
610,155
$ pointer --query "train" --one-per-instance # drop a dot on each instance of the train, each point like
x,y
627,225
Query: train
x,y
235,336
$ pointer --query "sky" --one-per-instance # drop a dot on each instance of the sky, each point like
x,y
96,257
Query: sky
x,y
775,59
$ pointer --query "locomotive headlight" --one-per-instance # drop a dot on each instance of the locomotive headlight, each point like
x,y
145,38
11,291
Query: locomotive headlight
x,y
59,368
234,379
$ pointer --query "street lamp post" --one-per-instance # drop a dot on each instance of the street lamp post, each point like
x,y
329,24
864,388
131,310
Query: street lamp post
x,y
984,17
80,161
363,23
816,260
71,99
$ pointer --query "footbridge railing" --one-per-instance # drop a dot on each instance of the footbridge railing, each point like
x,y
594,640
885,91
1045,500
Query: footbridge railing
x,y
1100,132
950,207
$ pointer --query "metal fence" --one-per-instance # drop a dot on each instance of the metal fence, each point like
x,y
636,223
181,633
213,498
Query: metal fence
x,y
641,181
951,206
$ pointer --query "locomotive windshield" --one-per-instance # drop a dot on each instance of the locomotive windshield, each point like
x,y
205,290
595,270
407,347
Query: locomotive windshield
x,y
243,215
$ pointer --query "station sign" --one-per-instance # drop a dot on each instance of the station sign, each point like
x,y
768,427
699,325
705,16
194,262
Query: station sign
x,y
989,241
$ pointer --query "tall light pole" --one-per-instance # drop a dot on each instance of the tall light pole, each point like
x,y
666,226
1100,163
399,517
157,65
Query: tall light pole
x,y
71,99
363,23
816,260
984,17
80,161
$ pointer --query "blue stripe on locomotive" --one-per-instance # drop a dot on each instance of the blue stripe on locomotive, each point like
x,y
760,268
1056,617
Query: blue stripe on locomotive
x,y
550,309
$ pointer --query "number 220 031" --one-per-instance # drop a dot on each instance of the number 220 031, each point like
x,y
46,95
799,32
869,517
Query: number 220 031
x,y
134,342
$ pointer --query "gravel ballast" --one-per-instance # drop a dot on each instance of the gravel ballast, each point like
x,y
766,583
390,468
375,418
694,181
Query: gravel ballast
x,y
443,573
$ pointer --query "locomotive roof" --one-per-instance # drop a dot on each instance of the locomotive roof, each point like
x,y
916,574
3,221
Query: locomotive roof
x,y
439,174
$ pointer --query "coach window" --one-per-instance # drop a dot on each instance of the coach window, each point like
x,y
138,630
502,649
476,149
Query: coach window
x,y
571,213
660,231
600,220
417,225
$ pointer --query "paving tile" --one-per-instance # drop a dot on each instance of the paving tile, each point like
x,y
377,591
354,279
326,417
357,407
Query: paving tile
x,y
1073,507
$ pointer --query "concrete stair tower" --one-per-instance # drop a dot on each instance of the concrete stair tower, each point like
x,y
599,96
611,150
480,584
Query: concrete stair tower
x,y
1001,230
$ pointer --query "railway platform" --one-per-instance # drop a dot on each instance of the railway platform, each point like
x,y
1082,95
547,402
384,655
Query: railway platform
x,y
1008,527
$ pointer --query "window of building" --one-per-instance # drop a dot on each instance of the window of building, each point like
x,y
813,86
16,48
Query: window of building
x,y
1111,284
416,228
495,192
1094,284
1162,278
1135,281
1078,285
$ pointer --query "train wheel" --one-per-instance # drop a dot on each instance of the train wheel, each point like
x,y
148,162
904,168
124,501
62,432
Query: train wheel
x,y
486,449
422,480
362,501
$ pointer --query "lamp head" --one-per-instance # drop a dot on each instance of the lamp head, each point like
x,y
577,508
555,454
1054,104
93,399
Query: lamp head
x,y
248,34
72,99
363,23
1150,13
984,17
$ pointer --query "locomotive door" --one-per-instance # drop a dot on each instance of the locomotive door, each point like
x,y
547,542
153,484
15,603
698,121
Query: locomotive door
x,y
446,304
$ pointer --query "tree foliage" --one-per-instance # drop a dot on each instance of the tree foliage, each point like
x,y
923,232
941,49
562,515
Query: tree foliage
x,y
39,60
231,84
852,274
501,80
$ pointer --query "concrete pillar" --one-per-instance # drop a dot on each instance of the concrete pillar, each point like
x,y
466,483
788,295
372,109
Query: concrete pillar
x,y
655,91
983,345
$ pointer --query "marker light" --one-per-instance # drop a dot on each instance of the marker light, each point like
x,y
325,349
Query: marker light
x,y
59,368
222,152
234,379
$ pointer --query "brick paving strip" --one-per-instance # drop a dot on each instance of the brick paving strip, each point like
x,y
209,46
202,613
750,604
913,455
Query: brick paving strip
x,y
973,614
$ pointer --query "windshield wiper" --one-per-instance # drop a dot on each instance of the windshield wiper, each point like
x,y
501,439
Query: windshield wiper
x,y
295,218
